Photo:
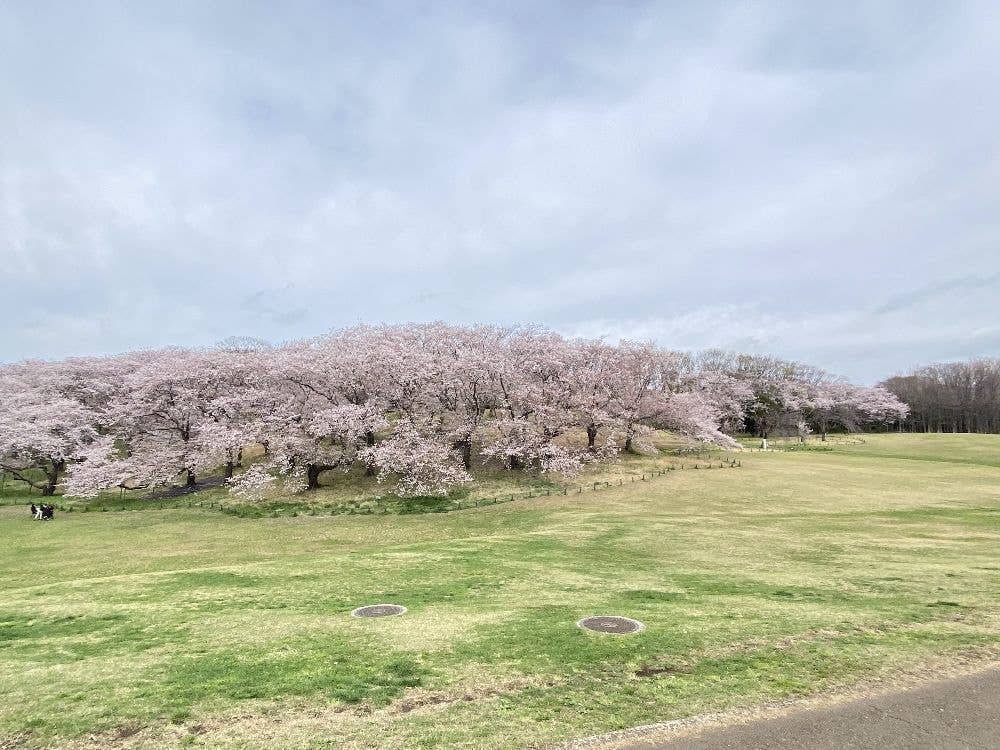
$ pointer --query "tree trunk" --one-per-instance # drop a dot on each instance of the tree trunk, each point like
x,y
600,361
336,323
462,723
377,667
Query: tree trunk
x,y
370,441
465,448
190,478
48,490
52,479
312,476
628,443
230,465
591,436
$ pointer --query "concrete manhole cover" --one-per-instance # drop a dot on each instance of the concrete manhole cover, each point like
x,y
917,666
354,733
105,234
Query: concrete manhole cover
x,y
611,624
378,610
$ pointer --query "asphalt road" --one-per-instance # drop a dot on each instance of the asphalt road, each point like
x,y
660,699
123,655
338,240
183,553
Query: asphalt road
x,y
957,714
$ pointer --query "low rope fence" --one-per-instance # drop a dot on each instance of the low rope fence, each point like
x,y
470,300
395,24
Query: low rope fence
x,y
703,460
375,506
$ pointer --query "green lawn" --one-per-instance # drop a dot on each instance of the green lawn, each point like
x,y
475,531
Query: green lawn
x,y
800,571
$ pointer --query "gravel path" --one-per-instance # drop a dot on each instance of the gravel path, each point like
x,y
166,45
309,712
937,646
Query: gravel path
x,y
957,714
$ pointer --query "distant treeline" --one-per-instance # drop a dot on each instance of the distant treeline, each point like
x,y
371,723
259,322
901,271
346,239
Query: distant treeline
x,y
953,397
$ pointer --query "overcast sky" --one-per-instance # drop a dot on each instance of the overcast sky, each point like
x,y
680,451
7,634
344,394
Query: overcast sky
x,y
817,180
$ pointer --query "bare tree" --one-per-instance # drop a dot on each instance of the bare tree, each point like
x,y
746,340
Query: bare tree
x,y
951,397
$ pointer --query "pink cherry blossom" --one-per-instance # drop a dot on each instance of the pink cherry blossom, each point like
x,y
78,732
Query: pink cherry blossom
x,y
417,405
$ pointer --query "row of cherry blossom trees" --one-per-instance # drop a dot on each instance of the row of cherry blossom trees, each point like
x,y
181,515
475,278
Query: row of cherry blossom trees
x,y
791,396
417,405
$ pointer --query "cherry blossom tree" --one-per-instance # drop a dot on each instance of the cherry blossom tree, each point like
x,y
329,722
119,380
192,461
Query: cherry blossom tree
x,y
414,404
780,389
424,467
596,382
327,406
536,405
833,401
41,429
877,405
690,414
644,382
165,420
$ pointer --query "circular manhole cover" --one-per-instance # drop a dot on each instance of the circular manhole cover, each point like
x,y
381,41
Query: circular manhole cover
x,y
611,624
378,610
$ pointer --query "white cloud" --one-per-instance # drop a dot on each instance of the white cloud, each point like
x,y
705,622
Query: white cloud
x,y
757,176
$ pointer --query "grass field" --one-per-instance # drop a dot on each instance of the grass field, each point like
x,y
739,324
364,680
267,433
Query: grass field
x,y
801,571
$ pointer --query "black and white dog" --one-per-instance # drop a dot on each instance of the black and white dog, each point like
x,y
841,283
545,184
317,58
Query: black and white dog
x,y
42,512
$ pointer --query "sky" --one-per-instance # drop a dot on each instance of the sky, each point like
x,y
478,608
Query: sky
x,y
819,181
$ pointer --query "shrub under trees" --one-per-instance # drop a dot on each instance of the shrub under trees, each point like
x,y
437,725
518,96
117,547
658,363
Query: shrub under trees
x,y
415,405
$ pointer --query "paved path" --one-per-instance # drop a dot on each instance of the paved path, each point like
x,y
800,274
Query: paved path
x,y
958,714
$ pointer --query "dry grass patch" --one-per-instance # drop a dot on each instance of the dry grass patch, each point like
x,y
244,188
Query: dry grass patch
x,y
800,573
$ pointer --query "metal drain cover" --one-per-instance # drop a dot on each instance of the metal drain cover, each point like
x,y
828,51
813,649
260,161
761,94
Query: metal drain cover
x,y
611,624
378,610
